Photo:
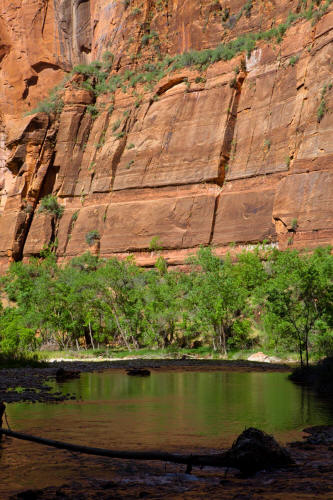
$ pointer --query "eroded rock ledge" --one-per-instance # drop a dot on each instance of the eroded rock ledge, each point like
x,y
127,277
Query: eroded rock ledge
x,y
215,158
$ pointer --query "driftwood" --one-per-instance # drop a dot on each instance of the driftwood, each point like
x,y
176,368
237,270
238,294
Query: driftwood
x,y
253,450
189,460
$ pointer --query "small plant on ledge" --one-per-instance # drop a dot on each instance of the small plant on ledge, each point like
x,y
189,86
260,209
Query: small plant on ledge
x,y
92,237
50,204
155,244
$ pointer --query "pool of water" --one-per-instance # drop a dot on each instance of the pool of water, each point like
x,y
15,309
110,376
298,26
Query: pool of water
x,y
171,411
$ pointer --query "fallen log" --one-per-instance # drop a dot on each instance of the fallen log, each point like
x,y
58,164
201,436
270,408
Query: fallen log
x,y
252,451
189,460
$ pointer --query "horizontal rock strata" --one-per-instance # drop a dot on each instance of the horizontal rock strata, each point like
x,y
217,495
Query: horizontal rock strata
x,y
238,152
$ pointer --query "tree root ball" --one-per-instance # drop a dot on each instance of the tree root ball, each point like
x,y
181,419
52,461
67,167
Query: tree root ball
x,y
254,450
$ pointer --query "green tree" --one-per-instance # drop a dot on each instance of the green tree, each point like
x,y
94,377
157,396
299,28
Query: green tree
x,y
218,299
298,298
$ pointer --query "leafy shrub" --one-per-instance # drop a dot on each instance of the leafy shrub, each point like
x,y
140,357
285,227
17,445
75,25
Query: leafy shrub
x,y
323,106
15,336
91,237
155,244
119,135
294,224
293,60
50,204
92,110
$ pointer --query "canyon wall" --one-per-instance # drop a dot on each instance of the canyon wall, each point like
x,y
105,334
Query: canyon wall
x,y
236,152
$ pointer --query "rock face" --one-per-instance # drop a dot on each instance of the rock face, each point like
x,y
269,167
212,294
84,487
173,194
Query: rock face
x,y
238,152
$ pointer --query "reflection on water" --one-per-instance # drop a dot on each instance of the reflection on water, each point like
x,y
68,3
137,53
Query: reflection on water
x,y
169,411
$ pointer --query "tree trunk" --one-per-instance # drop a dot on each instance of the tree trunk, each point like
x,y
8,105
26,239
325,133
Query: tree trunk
x,y
222,338
307,349
122,333
301,354
91,337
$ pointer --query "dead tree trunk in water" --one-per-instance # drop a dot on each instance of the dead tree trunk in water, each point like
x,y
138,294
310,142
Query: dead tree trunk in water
x,y
252,451
217,460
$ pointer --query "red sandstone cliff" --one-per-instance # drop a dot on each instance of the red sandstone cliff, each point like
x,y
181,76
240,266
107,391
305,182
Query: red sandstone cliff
x,y
203,157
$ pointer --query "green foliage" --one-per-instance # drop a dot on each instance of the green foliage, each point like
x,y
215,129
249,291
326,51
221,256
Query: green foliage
x,y
282,299
15,336
267,144
91,237
129,164
53,103
108,59
119,135
50,204
155,244
298,298
293,60
97,77
92,110
116,125
322,109
294,224
101,141
217,300
149,36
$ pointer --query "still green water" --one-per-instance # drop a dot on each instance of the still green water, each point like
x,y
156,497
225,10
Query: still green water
x,y
171,411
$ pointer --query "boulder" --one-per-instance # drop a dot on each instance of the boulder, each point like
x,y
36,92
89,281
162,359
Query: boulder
x,y
260,357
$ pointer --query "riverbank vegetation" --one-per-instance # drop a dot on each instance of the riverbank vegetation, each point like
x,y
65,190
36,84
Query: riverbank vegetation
x,y
263,299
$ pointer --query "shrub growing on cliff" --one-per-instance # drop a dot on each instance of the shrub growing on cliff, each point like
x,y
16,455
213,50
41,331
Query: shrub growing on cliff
x,y
155,244
322,109
92,237
50,204
92,110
